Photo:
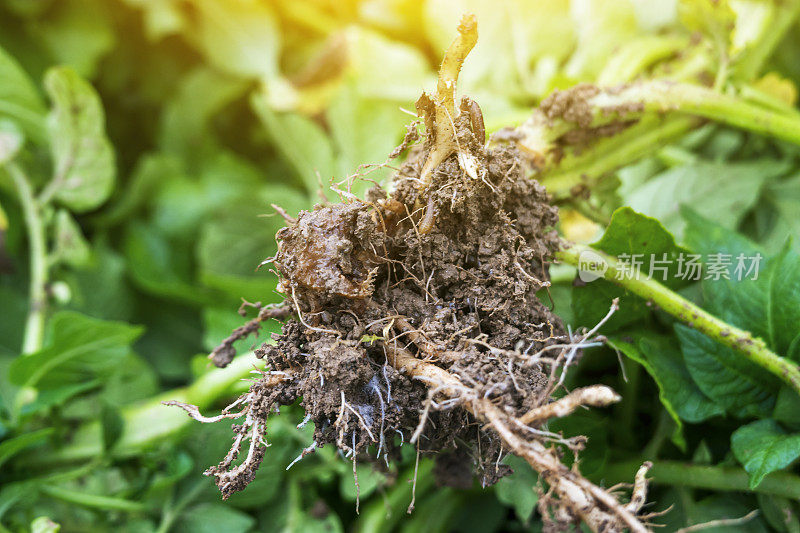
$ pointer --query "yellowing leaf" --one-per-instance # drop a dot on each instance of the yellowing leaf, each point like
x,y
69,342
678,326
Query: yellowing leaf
x,y
753,19
11,140
602,26
576,227
713,18
781,88
239,36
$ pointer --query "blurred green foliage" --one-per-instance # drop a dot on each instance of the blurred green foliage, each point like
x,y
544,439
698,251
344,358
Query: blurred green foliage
x,y
155,134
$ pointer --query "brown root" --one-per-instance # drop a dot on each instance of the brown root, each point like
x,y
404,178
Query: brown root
x,y
223,354
578,499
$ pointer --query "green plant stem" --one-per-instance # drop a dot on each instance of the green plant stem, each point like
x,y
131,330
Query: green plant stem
x,y
172,510
626,409
150,422
726,478
781,21
607,155
639,99
34,326
663,429
697,100
383,514
94,501
692,315
648,102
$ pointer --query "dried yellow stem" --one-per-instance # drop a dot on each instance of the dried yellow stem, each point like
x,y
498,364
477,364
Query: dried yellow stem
x,y
451,66
441,128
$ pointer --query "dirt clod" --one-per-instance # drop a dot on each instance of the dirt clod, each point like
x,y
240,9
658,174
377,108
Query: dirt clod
x,y
468,286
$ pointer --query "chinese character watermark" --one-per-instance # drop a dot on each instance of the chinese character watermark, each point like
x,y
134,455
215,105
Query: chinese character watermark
x,y
662,267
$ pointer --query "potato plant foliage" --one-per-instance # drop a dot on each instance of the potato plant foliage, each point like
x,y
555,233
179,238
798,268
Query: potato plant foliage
x,y
598,210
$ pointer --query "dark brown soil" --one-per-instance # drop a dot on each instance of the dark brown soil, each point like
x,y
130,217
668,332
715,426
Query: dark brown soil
x,y
360,275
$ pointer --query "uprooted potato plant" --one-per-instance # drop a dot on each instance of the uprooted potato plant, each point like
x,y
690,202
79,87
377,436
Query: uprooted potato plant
x,y
413,317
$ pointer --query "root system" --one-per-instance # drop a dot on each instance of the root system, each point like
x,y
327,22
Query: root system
x,y
416,319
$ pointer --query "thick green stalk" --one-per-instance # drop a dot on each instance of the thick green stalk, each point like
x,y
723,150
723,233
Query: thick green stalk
x,y
692,315
151,422
607,155
648,102
92,501
384,513
34,326
663,96
706,477
638,101
781,21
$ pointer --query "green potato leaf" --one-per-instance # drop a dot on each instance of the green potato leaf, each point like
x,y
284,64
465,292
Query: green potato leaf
x,y
787,408
203,92
214,517
19,99
662,359
301,142
239,37
233,243
82,154
764,447
162,266
78,348
727,189
780,513
722,507
71,246
766,301
740,386
519,489
780,204
9,448
639,239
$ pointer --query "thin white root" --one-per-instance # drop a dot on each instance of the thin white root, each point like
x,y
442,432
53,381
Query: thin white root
x,y
360,420
306,451
422,419
586,338
414,484
194,412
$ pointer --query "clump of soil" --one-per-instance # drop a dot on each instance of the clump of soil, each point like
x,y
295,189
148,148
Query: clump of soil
x,y
362,275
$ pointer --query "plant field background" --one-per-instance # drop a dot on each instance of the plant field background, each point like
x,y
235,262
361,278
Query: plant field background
x,y
156,134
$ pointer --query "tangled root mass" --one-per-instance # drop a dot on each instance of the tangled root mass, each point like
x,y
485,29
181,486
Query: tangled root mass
x,y
415,317
463,295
